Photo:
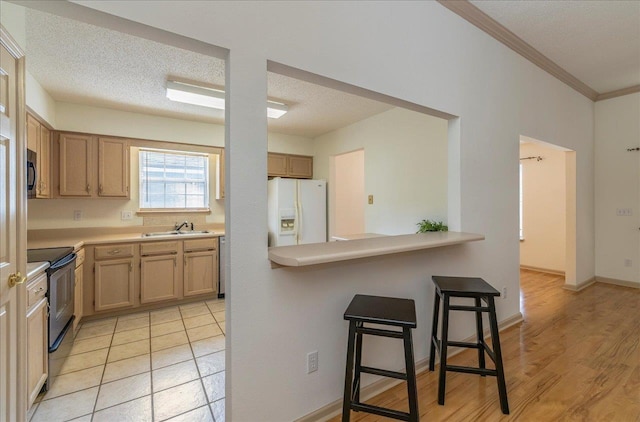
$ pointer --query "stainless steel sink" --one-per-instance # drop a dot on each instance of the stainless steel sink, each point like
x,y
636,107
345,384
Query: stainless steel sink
x,y
173,232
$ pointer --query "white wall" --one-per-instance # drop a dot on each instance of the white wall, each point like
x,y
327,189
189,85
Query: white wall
x,y
433,58
405,161
617,127
39,100
544,207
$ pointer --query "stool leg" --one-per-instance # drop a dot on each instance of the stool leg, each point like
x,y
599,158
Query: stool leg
x,y
348,377
443,349
410,365
434,331
356,380
480,336
495,339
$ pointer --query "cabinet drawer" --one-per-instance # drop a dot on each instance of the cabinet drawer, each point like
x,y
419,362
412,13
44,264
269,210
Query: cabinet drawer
x,y
36,290
79,257
113,251
200,244
158,248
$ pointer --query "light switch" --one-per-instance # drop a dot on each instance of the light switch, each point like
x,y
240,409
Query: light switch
x,y
370,199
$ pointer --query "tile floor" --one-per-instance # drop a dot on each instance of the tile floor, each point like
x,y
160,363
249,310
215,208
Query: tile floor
x,y
163,365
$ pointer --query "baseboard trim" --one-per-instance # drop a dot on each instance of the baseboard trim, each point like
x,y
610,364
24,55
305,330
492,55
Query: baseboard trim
x,y
623,283
335,408
580,286
542,270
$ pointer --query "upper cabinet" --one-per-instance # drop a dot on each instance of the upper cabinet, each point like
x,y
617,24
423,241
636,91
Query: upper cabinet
x,y
287,165
39,141
92,167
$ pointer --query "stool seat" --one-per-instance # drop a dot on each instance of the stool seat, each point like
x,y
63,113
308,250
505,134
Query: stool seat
x,y
389,311
382,310
464,286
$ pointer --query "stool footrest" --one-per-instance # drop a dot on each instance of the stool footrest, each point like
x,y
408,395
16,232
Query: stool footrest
x,y
379,332
377,410
467,370
384,372
464,344
468,308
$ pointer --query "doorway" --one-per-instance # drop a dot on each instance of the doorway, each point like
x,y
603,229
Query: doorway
x,y
346,192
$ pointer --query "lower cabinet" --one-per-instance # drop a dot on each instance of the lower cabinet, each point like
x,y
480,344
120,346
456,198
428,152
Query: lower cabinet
x,y
114,286
159,272
200,266
37,351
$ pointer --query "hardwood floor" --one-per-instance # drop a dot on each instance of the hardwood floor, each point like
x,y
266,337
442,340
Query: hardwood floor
x,y
575,357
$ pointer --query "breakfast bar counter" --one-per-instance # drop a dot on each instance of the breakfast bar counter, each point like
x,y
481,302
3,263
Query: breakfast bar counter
x,y
322,253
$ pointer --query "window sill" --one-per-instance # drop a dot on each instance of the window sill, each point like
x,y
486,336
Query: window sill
x,y
173,211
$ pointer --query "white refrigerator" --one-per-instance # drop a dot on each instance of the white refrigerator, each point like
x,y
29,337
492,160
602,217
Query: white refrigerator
x,y
297,211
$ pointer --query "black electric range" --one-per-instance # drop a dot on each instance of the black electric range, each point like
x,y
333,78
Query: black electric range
x,y
52,255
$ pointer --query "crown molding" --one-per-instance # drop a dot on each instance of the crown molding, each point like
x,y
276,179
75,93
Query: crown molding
x,y
498,31
618,93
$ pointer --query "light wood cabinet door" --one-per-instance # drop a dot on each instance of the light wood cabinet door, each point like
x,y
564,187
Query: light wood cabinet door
x,y
159,279
33,133
200,272
113,167
276,164
76,165
300,166
114,284
44,164
78,294
37,351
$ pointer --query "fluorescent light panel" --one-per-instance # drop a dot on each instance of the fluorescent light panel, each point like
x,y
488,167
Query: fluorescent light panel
x,y
213,98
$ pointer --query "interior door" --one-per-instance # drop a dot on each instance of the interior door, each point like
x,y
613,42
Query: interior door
x,y
12,188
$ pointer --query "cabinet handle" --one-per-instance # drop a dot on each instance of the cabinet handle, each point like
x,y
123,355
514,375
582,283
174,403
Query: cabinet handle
x,y
100,189
40,289
130,267
114,252
175,261
88,188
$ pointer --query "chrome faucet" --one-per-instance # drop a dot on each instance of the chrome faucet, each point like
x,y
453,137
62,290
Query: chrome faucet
x,y
185,224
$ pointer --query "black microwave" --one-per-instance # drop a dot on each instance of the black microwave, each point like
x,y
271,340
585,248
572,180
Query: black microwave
x,y
31,173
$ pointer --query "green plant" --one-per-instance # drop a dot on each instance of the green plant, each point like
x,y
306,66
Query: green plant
x,y
431,226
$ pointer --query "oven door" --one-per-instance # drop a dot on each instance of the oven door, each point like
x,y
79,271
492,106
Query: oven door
x,y
61,290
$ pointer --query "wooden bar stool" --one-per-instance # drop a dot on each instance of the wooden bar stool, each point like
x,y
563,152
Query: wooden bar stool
x,y
385,311
479,290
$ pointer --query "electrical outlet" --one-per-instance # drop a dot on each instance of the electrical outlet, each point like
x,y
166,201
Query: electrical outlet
x,y
126,215
312,362
77,215
504,292
628,263
624,212
370,199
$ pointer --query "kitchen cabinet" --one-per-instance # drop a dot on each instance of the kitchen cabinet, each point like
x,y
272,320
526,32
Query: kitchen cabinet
x,y
93,167
200,266
78,289
114,277
288,165
39,141
37,331
160,277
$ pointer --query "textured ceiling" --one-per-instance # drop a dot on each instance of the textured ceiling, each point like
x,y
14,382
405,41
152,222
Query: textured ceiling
x,y
85,64
598,42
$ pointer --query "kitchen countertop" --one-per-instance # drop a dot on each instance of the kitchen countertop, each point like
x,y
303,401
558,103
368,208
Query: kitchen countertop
x,y
322,253
357,236
36,268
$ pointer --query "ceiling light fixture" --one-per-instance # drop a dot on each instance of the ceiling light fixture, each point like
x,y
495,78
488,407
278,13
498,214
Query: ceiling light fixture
x,y
213,98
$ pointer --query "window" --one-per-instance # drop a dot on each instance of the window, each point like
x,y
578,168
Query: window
x,y
173,180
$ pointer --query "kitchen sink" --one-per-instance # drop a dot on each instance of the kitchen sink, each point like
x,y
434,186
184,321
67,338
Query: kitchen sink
x,y
174,232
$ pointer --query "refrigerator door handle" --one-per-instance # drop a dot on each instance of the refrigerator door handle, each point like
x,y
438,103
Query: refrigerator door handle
x,y
298,208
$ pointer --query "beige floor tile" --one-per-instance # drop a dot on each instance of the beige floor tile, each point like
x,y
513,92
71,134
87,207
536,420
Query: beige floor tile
x,y
178,400
86,418
136,315
170,356
132,324
208,345
217,408
219,316
173,375
217,307
192,305
201,414
90,344
84,361
95,331
223,326
127,367
169,340
214,386
205,331
138,410
75,381
192,311
198,321
123,390
32,410
129,350
210,364
96,322
160,317
130,336
66,407
167,328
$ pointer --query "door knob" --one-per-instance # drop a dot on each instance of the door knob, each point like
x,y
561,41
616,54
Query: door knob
x,y
15,279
